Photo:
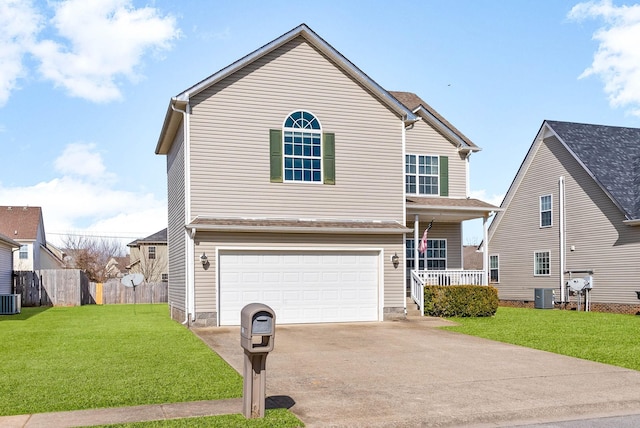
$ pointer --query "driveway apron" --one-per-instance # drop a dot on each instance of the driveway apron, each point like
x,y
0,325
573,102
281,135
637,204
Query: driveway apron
x,y
407,373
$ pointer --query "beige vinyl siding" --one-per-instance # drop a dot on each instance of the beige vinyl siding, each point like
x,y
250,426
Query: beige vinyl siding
x,y
206,281
176,238
593,224
230,127
422,139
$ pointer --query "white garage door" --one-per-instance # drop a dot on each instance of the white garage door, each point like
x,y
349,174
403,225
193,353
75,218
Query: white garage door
x,y
301,287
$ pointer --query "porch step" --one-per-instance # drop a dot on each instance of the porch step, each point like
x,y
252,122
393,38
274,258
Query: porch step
x,y
412,308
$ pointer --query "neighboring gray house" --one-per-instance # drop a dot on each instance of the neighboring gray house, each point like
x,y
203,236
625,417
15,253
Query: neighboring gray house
x,y
7,246
26,226
573,206
149,257
297,181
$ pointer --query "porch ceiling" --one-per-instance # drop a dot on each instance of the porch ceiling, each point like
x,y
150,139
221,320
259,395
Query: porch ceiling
x,y
448,209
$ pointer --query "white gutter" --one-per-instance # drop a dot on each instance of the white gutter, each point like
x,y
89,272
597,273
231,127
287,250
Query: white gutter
x,y
189,263
562,236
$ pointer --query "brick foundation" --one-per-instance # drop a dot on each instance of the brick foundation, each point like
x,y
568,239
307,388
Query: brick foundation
x,y
616,308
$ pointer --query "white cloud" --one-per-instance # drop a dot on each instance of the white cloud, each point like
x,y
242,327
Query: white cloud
x,y
482,195
106,40
98,45
19,23
78,159
77,203
617,60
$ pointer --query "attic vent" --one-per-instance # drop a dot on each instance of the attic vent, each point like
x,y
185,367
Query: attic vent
x,y
15,232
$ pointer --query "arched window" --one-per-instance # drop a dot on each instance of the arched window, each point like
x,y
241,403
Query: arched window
x,y
302,154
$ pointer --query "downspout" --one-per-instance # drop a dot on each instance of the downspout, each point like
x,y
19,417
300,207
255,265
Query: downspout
x,y
562,236
189,274
485,254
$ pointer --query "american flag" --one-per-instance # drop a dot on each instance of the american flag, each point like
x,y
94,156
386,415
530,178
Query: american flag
x,y
423,242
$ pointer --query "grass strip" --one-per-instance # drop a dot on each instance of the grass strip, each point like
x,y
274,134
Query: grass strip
x,y
603,337
71,358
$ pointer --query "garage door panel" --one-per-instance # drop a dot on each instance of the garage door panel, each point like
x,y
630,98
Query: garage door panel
x,y
300,287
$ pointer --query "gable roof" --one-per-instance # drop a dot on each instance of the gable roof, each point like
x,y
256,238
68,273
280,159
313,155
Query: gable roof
x,y
8,241
159,237
20,223
429,114
173,118
611,155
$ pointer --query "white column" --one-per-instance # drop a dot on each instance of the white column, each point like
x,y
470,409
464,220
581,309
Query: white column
x,y
416,244
485,252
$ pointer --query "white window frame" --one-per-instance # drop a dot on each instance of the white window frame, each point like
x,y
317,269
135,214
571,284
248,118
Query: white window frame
x,y
549,210
303,133
415,173
24,252
497,268
536,255
151,253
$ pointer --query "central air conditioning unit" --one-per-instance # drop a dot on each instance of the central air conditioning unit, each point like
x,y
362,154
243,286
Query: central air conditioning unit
x,y
10,304
544,298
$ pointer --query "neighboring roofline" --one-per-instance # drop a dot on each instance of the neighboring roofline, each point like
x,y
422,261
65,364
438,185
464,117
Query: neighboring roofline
x,y
526,163
633,223
172,118
9,241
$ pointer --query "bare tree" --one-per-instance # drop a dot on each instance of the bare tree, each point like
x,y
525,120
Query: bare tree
x,y
91,254
151,268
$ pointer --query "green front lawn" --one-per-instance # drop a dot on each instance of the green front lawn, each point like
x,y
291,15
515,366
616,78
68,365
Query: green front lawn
x,y
607,338
68,358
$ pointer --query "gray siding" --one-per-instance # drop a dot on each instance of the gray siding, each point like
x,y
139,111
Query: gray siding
x,y
422,139
176,238
593,225
6,268
206,281
230,142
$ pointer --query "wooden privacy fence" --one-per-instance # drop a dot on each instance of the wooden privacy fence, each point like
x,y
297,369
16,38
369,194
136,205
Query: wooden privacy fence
x,y
71,287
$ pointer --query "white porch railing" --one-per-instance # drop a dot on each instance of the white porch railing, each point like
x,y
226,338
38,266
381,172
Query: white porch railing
x,y
422,278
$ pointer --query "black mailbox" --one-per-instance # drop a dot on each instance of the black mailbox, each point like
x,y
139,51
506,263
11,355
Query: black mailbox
x,y
257,328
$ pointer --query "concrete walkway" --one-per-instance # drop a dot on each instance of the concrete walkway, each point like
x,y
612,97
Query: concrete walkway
x,y
400,374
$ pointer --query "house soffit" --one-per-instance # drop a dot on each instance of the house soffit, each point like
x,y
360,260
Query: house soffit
x,y
173,118
449,209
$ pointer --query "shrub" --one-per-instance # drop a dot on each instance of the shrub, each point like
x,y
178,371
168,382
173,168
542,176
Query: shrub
x,y
460,301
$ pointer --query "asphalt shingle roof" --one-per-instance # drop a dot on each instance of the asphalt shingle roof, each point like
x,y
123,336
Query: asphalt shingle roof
x,y
159,237
20,223
611,154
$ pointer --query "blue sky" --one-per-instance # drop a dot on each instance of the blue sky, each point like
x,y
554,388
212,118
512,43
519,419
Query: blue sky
x,y
84,85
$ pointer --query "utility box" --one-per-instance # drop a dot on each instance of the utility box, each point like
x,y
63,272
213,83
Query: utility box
x,y
543,298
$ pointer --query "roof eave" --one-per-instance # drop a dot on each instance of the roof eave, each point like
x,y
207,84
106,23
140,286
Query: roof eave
x,y
285,229
170,126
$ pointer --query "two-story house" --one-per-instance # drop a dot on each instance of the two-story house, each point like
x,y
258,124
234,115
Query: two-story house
x,y
149,256
297,181
26,226
572,211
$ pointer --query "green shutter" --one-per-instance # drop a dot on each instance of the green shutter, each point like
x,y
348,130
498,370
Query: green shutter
x,y
329,157
444,176
275,148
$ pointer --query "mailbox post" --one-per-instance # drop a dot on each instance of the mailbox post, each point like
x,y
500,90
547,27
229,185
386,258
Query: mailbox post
x,y
257,331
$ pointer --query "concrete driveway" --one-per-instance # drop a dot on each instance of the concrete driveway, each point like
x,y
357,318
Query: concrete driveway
x,y
410,374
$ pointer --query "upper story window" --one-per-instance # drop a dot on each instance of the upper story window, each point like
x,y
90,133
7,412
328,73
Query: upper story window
x,y
152,253
24,252
545,211
422,175
302,136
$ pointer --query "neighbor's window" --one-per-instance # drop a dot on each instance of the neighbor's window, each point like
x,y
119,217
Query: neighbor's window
x,y
421,174
165,277
541,263
493,268
302,135
24,252
545,211
152,253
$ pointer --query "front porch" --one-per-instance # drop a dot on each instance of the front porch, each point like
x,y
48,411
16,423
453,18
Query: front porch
x,y
443,263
